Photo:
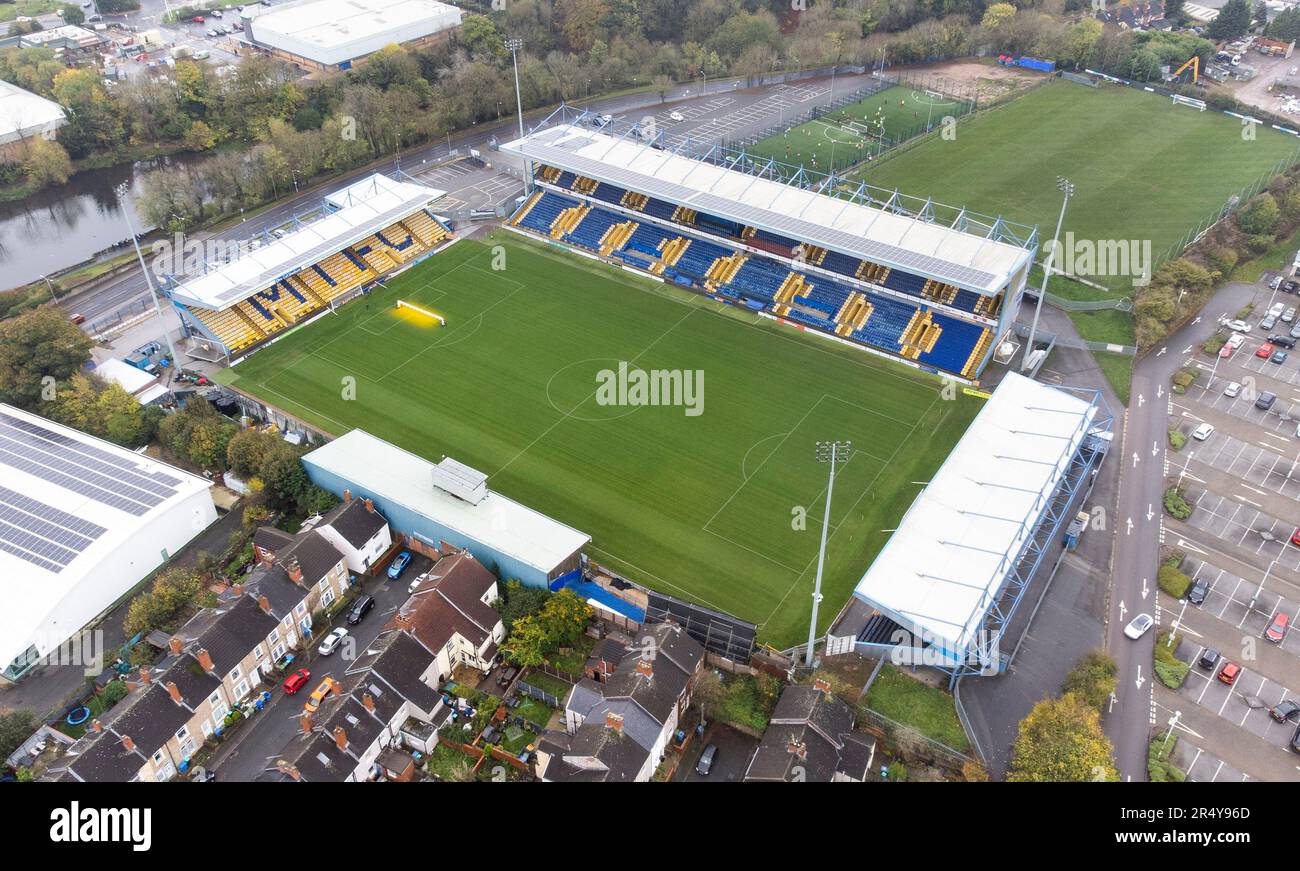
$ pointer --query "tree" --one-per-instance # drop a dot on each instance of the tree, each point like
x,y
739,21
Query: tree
x,y
45,163
708,694
565,617
519,601
1260,215
481,38
1233,21
997,15
72,14
528,642
38,349
1093,678
16,727
1061,741
103,410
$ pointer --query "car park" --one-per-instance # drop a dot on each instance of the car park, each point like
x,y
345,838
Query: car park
x,y
676,116
1279,357
360,609
1197,592
1287,342
318,695
1284,710
398,565
1265,400
332,641
1138,626
1203,432
296,681
1229,673
1232,389
1276,630
1264,351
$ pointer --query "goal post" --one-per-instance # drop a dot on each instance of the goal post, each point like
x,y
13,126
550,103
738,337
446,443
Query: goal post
x,y
401,303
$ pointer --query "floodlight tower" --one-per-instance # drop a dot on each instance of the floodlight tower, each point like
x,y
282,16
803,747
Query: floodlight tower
x,y
1065,186
125,207
513,45
833,453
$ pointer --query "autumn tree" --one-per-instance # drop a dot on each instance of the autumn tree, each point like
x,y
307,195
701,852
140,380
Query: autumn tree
x,y
1061,740
45,163
38,349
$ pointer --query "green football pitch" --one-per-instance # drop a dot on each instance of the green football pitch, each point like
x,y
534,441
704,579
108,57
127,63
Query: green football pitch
x,y
722,507
893,113
1142,167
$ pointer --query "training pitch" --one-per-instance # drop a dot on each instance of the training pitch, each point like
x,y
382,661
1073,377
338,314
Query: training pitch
x,y
722,506
854,130
1142,167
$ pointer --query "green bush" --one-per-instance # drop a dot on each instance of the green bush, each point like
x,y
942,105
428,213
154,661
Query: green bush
x,y
1159,768
1213,345
1177,440
1173,581
1093,678
1177,507
1169,669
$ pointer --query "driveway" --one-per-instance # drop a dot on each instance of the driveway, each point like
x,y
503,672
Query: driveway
x,y
735,749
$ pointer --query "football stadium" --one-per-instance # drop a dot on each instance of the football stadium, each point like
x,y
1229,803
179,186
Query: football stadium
x,y
798,310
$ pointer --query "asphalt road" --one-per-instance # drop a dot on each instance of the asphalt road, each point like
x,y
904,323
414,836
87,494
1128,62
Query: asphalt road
x,y
723,112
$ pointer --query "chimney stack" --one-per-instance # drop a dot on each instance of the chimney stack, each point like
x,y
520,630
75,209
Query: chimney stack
x,y
128,743
265,603
289,769
237,590
174,691
822,685
798,748
146,676
341,737
347,495
336,688
176,644
370,505
645,668
96,726
402,621
295,571
369,701
205,659
614,721
304,721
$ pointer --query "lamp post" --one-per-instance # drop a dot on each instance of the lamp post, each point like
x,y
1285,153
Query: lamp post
x,y
514,44
833,453
1065,186
148,279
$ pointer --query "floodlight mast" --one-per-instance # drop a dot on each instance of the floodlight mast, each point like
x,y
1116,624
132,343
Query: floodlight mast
x,y
513,45
1065,186
833,453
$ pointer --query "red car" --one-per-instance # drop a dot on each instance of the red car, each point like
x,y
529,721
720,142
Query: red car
x,y
1229,673
296,681
1277,628
1295,538
1265,351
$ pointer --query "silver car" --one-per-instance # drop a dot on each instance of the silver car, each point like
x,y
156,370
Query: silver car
x,y
1138,626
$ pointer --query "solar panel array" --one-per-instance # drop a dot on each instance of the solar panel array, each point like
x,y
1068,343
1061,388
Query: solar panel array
x,y
50,537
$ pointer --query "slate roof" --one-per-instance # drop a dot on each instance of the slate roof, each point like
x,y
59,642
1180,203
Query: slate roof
x,y
453,603
821,727
354,522
314,553
237,630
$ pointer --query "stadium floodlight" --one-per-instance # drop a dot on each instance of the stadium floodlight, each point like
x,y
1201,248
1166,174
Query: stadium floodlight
x,y
833,453
513,45
1066,187
120,190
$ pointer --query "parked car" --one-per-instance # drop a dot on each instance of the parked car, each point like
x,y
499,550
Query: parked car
x,y
1277,629
1203,432
415,584
1237,326
1269,322
1232,389
1229,673
1282,341
1284,710
296,681
1295,740
1276,309
1209,659
1139,625
398,565
318,695
360,609
1197,592
1278,357
332,641
676,116
1275,283
1289,315
197,19
705,763
1265,400
1290,286
1264,351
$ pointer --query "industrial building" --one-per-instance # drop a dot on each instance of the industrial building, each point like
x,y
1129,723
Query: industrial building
x,y
24,116
82,521
319,35
450,502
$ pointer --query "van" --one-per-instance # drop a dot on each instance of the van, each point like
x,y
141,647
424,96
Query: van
x,y
1265,401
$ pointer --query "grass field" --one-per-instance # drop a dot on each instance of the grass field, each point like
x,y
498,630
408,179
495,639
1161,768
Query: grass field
x,y
704,507
902,111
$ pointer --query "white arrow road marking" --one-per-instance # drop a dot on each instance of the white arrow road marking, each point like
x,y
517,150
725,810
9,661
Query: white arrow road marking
x,y
1146,590
1123,609
1135,459
1155,449
1150,513
1160,391
1188,545
1161,352
1130,526
1141,400
1114,700
1140,679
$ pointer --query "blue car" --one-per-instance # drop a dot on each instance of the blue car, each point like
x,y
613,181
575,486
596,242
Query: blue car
x,y
397,566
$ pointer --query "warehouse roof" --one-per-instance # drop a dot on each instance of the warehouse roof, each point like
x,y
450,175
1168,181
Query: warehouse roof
x,y
24,114
335,31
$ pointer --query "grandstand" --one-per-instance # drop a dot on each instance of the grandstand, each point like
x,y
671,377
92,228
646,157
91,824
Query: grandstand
x,y
367,230
873,268
945,587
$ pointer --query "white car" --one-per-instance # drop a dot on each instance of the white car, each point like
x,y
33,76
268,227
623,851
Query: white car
x,y
332,641
415,584
1236,341
1203,432
1289,315
1275,283
1276,309
676,116
1238,326
1232,389
1139,626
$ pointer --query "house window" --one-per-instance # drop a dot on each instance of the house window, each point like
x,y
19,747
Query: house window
x,y
158,758
215,699
235,674
291,639
324,583
187,748
183,733
302,607
327,598
206,726
260,652
219,712
277,651
241,690
288,621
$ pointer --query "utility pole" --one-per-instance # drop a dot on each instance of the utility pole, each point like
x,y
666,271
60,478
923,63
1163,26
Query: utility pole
x,y
153,291
1065,186
833,453
514,44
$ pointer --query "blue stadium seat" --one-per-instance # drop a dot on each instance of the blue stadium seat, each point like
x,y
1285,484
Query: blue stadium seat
x,y
589,231
955,343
